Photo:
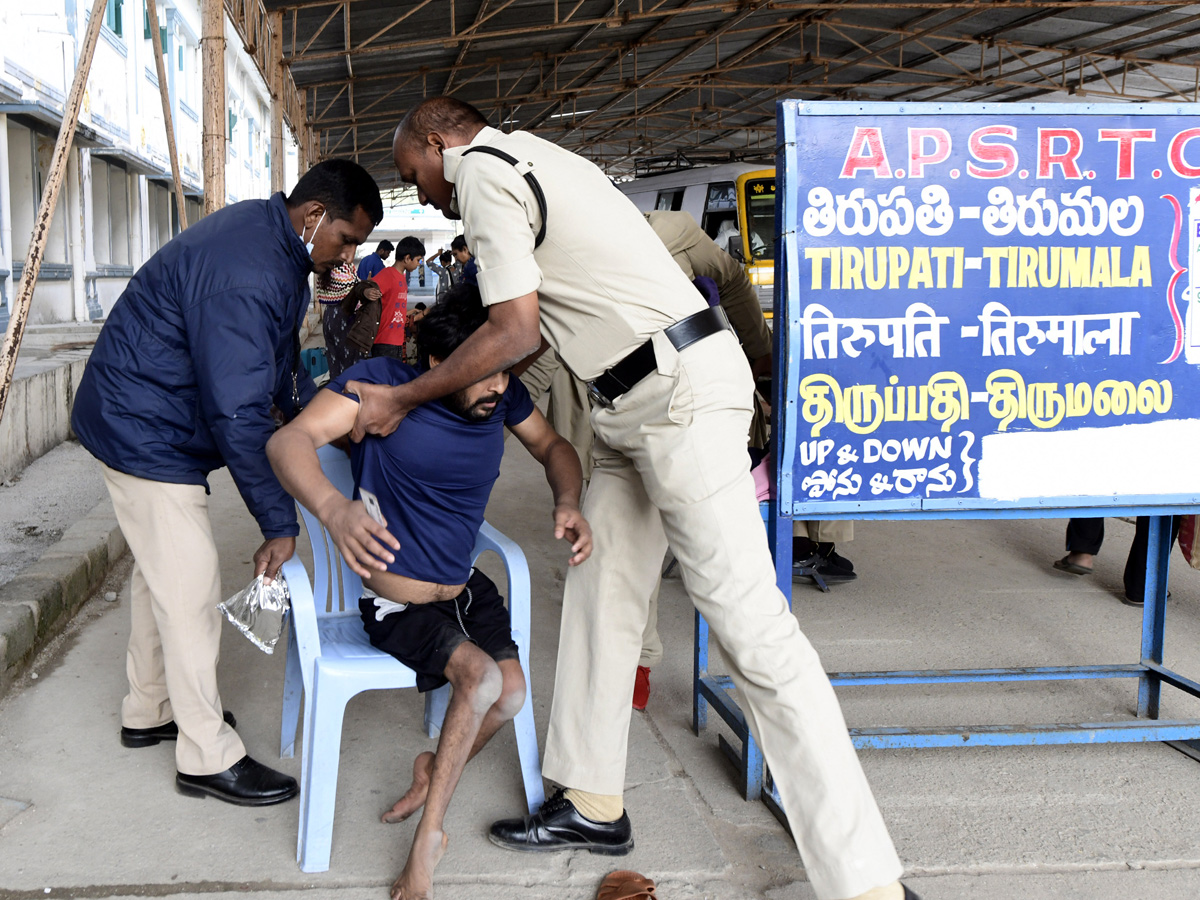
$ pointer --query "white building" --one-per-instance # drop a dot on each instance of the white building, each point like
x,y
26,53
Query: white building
x,y
116,206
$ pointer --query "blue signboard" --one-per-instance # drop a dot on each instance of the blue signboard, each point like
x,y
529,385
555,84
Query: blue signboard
x,y
988,307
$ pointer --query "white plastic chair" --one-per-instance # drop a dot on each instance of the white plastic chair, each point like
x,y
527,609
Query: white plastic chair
x,y
330,659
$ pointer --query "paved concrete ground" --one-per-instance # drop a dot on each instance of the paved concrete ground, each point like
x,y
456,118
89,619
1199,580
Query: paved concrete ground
x,y
82,817
33,518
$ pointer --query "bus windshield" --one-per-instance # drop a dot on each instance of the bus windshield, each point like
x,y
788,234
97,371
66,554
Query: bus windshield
x,y
759,202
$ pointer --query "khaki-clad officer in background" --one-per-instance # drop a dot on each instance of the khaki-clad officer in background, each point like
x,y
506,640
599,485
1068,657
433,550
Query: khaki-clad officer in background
x,y
560,250
568,410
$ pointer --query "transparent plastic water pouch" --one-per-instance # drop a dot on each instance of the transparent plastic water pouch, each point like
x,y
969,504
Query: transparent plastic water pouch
x,y
258,611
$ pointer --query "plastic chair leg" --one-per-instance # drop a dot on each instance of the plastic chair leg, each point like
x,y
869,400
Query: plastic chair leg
x,y
293,693
527,742
318,791
436,704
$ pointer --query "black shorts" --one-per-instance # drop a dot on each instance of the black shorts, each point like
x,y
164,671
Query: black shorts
x,y
424,635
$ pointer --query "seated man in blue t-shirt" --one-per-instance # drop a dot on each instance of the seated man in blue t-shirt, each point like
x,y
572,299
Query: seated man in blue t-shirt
x,y
423,602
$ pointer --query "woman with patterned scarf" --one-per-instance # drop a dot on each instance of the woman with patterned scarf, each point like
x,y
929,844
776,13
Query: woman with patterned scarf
x,y
331,290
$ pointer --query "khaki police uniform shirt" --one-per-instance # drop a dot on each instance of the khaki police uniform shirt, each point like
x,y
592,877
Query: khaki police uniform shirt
x,y
605,282
698,256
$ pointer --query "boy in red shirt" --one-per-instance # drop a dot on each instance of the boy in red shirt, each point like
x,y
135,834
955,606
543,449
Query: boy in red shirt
x,y
393,282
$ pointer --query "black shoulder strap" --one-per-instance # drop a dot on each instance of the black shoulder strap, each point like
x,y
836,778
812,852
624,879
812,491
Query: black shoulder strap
x,y
528,176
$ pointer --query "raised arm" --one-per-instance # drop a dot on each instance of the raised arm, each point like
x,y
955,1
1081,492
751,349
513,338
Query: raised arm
x,y
510,334
293,454
565,477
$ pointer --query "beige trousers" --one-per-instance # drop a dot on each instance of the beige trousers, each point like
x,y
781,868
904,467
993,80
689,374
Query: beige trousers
x,y
175,629
671,468
832,531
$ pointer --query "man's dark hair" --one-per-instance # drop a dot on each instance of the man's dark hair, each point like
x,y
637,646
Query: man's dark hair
x,y
450,322
445,115
385,246
341,186
459,243
444,257
409,246
420,306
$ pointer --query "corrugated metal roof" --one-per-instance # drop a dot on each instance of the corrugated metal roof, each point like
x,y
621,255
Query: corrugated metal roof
x,y
626,80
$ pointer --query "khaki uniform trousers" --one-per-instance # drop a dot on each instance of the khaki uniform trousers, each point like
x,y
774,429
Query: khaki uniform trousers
x,y
568,414
175,633
671,468
831,531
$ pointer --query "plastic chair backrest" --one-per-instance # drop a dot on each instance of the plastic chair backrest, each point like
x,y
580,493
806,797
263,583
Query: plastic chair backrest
x,y
334,583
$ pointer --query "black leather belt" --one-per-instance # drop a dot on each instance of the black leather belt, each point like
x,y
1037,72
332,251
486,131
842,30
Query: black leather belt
x,y
641,362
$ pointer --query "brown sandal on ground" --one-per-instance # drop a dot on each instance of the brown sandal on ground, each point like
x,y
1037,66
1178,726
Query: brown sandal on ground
x,y
626,885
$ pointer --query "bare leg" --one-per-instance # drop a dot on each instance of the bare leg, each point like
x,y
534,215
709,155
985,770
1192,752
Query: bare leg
x,y
478,685
512,697
1086,560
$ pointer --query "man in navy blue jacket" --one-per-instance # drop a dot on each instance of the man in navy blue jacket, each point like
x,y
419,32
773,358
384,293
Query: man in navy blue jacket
x,y
200,346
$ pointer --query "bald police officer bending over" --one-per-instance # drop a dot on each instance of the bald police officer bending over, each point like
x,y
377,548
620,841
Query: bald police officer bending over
x,y
562,253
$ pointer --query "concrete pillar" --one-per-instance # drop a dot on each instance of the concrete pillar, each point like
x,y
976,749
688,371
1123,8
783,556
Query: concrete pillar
x,y
6,247
143,219
78,228
87,223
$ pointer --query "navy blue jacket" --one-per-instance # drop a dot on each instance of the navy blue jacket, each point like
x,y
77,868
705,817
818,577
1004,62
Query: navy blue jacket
x,y
194,353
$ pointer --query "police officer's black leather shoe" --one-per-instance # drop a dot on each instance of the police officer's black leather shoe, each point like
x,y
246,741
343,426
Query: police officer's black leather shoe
x,y
168,731
559,826
246,783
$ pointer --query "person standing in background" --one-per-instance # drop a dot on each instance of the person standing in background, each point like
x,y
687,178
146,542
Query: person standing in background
x,y
444,269
373,263
331,290
1084,537
465,258
568,409
393,282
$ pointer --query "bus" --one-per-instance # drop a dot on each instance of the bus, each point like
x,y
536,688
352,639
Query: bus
x,y
734,204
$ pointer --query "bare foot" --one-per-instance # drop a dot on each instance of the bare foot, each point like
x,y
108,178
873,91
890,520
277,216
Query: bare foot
x,y
416,881
414,797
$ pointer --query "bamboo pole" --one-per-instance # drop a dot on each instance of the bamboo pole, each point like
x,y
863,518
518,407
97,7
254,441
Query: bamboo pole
x,y
278,155
212,45
41,225
152,12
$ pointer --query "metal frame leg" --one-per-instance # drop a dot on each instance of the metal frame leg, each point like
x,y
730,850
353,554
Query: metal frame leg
x,y
1154,613
699,671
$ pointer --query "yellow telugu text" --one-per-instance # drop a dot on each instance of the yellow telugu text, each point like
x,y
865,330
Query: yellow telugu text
x,y
862,408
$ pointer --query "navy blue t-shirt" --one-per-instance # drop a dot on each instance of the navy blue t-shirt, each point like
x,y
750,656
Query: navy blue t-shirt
x,y
433,474
370,266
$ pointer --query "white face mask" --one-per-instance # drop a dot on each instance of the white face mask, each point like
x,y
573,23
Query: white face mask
x,y
308,245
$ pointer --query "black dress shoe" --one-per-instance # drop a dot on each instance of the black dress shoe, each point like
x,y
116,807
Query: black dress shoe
x,y
559,826
246,783
909,893
168,731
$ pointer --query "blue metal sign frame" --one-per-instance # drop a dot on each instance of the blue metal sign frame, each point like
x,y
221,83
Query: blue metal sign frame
x,y
791,367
